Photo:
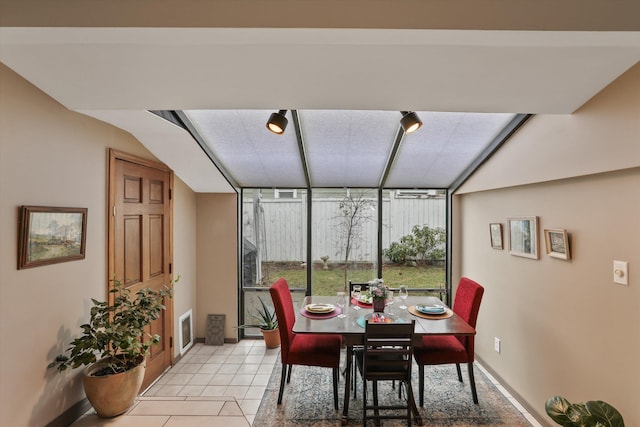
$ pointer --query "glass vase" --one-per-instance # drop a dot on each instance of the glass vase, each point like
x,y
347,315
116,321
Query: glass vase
x,y
378,305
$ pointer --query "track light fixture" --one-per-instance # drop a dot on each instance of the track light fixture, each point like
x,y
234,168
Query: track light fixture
x,y
278,122
410,121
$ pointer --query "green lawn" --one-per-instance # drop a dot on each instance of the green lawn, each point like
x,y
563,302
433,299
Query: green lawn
x,y
328,282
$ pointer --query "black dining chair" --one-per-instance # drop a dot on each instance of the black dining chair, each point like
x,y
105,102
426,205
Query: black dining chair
x,y
387,355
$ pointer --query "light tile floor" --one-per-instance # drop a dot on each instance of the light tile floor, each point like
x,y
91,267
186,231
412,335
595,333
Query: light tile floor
x,y
210,385
215,386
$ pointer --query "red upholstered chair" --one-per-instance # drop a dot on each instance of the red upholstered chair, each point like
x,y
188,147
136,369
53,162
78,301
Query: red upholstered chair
x,y
445,349
302,349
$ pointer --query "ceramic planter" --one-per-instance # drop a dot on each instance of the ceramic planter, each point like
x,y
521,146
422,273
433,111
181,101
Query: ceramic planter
x,y
271,338
112,395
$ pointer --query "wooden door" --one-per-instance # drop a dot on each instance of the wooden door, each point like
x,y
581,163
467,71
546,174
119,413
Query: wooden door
x,y
140,249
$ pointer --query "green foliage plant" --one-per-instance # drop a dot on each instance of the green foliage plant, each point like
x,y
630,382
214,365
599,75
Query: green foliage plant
x,y
425,243
116,331
594,413
264,318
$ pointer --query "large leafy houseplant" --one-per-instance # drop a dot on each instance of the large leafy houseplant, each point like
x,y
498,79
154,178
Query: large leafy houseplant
x,y
594,413
116,332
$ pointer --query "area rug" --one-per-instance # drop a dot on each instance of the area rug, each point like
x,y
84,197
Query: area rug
x,y
308,400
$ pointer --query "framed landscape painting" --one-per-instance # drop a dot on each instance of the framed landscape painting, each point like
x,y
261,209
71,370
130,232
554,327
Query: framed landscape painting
x,y
523,236
49,235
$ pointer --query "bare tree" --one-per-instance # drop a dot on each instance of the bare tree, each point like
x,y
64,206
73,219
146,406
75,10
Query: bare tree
x,y
354,211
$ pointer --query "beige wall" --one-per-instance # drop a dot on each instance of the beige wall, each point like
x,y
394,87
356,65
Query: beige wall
x,y
54,157
217,261
565,327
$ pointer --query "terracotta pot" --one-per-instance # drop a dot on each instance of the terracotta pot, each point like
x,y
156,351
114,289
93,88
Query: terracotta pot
x,y
271,338
378,305
112,395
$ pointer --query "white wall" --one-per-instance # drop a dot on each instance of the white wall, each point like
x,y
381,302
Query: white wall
x,y
51,156
565,327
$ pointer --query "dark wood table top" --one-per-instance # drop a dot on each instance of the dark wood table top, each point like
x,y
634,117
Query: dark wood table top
x,y
349,328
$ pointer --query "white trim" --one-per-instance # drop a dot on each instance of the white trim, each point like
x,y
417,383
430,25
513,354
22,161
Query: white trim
x,y
185,346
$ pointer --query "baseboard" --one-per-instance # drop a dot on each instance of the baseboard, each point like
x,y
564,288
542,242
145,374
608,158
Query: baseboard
x,y
226,340
71,415
531,410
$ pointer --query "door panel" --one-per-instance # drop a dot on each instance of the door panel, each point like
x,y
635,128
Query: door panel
x,y
139,236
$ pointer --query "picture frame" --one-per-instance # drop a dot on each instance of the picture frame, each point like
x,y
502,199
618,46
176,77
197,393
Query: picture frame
x,y
495,232
49,235
185,331
557,243
523,236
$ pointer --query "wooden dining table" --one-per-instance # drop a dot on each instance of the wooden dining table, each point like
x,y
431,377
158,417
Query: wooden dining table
x,y
351,327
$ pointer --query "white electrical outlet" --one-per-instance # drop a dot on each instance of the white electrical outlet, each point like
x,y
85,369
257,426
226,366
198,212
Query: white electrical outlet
x,y
496,344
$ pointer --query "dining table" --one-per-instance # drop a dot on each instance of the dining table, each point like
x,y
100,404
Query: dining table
x,y
352,326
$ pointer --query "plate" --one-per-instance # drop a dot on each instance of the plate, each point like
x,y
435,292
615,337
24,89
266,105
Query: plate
x,y
365,299
431,308
320,308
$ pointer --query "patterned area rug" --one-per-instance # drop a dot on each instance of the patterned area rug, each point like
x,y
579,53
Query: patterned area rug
x,y
308,400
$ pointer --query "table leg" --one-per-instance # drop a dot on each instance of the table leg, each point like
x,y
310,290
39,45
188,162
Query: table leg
x,y
347,385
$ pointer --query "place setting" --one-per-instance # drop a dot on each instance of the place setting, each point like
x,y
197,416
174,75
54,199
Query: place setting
x,y
431,311
320,311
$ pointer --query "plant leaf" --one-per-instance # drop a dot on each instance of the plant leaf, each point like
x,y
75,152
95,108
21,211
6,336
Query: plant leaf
x,y
604,413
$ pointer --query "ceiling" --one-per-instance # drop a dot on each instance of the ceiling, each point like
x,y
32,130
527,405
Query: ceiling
x,y
346,85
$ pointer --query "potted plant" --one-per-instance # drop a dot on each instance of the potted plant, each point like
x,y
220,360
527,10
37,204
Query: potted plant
x,y
379,294
113,346
594,413
267,322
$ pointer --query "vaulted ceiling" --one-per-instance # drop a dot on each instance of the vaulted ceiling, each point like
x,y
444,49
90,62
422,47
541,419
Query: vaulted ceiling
x,y
344,85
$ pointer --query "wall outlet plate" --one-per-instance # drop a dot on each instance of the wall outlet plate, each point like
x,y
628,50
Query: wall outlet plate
x,y
496,344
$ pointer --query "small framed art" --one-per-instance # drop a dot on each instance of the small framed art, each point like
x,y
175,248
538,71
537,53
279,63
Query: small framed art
x,y
495,231
49,235
523,236
557,243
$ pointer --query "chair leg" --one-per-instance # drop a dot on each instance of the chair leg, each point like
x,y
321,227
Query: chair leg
x,y
364,403
472,381
376,411
335,387
421,384
459,372
410,399
289,374
283,378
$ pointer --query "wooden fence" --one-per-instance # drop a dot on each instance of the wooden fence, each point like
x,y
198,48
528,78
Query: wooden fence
x,y
283,223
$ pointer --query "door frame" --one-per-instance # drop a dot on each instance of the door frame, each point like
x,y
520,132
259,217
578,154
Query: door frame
x,y
115,155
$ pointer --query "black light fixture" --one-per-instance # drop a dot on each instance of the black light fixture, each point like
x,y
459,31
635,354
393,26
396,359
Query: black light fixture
x,y
410,121
278,122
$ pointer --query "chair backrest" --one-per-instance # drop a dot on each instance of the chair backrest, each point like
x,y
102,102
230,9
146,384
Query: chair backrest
x,y
467,305
363,286
283,304
388,351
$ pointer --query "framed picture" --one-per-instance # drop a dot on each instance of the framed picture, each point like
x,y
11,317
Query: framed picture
x,y
557,243
495,231
184,331
49,235
523,236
